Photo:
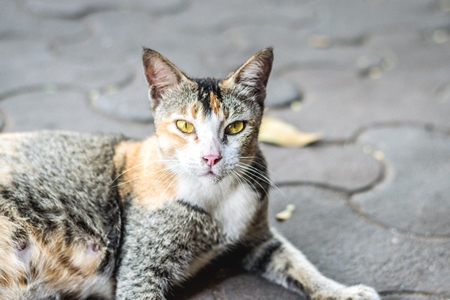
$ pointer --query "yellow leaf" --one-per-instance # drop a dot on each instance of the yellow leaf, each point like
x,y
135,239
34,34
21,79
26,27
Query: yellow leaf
x,y
285,214
275,131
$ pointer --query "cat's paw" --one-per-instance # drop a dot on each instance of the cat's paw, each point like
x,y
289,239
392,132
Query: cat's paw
x,y
357,292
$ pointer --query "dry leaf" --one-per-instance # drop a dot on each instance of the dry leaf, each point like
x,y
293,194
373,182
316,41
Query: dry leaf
x,y
275,131
285,214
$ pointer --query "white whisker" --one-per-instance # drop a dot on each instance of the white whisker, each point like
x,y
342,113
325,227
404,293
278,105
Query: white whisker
x,y
257,173
140,165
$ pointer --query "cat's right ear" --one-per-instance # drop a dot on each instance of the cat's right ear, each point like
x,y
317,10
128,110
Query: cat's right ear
x,y
160,73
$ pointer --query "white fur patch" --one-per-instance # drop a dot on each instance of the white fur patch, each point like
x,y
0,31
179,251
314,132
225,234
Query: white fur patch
x,y
231,204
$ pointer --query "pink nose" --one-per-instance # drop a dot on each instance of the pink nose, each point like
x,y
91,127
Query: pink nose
x,y
211,160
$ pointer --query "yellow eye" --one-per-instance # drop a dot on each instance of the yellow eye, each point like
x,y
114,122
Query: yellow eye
x,y
185,127
235,127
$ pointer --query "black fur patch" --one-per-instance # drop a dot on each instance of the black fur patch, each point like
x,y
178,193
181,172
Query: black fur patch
x,y
296,285
205,87
194,207
262,259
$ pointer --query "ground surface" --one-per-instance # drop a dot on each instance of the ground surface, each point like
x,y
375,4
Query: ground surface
x,y
373,199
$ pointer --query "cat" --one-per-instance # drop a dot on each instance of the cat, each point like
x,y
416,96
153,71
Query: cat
x,y
91,216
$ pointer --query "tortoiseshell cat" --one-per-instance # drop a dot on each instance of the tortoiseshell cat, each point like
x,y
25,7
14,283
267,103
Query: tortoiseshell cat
x,y
96,216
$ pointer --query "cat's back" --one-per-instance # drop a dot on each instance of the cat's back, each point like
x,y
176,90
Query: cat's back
x,y
59,214
56,166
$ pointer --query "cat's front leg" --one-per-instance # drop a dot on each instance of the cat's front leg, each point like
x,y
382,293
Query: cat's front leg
x,y
159,248
279,261
137,277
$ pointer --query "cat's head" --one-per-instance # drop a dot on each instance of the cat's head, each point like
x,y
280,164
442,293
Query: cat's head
x,y
207,128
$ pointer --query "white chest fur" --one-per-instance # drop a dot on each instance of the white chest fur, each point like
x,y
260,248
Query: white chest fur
x,y
232,205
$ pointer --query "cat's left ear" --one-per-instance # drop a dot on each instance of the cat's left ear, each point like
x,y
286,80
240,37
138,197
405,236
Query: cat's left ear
x,y
253,75
160,73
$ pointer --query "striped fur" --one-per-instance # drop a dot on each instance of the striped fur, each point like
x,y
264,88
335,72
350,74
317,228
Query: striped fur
x,y
94,216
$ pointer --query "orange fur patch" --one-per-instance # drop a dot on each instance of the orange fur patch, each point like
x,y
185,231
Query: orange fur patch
x,y
194,110
145,175
12,271
214,103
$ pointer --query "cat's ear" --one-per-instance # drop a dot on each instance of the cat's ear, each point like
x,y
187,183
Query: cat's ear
x,y
160,73
253,75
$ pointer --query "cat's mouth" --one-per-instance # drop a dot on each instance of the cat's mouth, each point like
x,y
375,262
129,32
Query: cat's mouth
x,y
212,177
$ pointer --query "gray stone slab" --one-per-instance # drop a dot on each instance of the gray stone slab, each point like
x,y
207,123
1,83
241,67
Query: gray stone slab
x,y
409,89
414,195
247,26
120,36
2,121
412,52
225,280
292,48
29,64
334,103
348,248
443,93
295,14
413,296
349,21
15,23
74,9
281,92
63,110
346,167
248,287
130,103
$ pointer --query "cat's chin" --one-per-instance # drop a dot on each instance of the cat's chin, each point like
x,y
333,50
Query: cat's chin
x,y
210,178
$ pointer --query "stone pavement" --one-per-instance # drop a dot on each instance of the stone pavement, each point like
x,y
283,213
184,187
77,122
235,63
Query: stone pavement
x,y
373,198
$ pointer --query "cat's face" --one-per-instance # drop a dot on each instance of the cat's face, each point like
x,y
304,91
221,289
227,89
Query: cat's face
x,y
207,128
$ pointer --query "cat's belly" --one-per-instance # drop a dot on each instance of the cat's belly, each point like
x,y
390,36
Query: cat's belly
x,y
59,216
33,268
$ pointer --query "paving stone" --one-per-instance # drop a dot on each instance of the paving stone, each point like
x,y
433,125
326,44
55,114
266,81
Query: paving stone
x,y
2,121
349,21
418,74
14,23
248,287
411,52
79,8
337,102
240,25
412,296
346,167
130,103
30,64
120,36
226,280
346,247
289,13
414,196
63,110
413,75
281,92
334,103
443,93
292,49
